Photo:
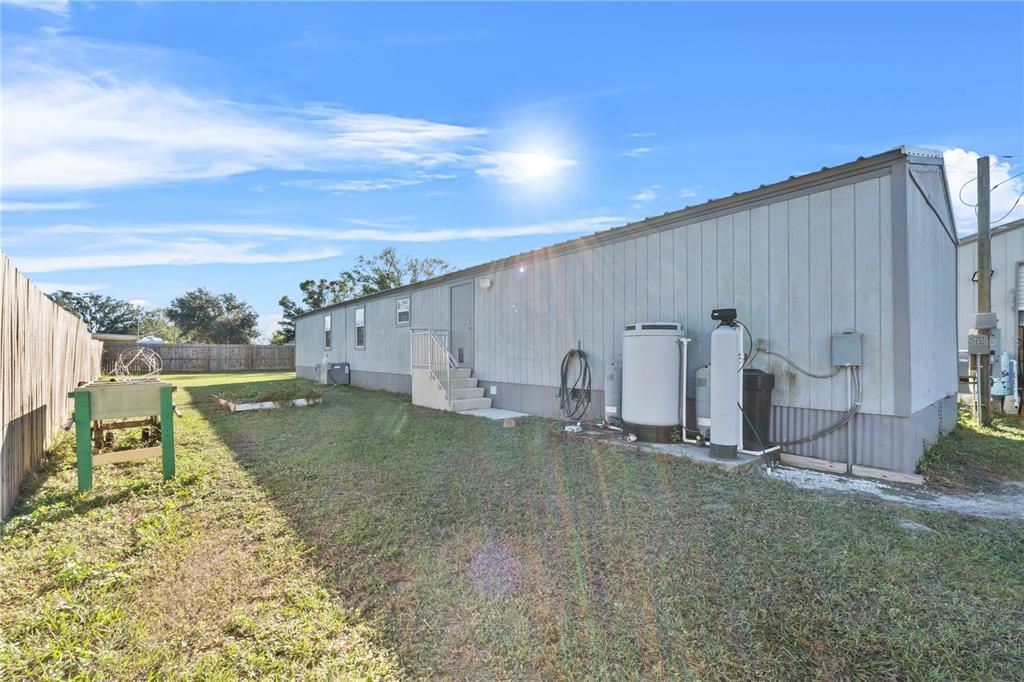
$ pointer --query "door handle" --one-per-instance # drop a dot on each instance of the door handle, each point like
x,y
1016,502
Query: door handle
x,y
469,324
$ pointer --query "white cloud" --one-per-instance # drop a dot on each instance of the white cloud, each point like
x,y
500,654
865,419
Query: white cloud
x,y
81,115
50,287
369,185
11,206
140,302
182,251
185,250
637,151
687,193
520,168
267,324
640,134
962,171
59,7
646,194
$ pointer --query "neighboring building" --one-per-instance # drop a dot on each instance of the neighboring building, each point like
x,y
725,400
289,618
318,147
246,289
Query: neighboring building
x,y
103,336
868,246
1007,286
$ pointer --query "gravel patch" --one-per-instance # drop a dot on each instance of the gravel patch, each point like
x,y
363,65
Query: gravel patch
x,y
1006,504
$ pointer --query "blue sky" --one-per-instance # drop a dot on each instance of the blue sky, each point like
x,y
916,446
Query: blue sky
x,y
150,148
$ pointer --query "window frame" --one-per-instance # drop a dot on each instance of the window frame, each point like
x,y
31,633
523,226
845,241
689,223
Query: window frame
x,y
328,336
407,311
360,312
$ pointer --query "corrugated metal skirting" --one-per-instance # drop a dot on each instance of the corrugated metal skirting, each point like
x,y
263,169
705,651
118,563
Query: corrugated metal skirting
x,y
880,441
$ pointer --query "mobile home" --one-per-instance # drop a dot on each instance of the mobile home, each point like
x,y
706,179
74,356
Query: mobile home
x,y
868,247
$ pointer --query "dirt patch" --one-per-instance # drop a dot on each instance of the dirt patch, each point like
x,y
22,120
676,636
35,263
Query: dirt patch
x,y
495,570
195,600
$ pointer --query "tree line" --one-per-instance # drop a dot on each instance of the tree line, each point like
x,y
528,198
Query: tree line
x,y
387,270
197,316
202,316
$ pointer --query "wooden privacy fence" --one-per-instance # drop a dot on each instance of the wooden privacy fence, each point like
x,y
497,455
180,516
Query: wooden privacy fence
x,y
208,357
45,351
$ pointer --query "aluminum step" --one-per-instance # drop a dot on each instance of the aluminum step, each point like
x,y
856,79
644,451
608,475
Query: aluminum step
x,y
464,383
470,404
460,393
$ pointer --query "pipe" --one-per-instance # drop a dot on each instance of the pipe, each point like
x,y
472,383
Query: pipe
x,y
849,424
684,346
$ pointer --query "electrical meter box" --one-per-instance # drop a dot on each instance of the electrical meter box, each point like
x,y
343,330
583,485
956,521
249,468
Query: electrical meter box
x,y
847,349
977,344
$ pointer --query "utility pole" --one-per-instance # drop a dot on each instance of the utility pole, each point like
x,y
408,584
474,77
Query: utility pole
x,y
984,416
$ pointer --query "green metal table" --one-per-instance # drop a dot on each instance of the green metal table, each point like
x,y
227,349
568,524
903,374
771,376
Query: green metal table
x,y
121,401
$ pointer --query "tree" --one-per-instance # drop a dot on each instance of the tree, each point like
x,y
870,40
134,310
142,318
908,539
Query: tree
x,y
101,314
387,271
368,276
206,317
156,323
315,294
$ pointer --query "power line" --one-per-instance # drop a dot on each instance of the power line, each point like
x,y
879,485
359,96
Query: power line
x,y
960,194
1019,196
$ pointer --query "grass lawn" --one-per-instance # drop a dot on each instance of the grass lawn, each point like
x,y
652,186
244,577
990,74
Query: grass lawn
x,y
977,458
366,537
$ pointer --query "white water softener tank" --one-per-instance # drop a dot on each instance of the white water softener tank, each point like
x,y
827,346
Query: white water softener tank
x,y
703,401
613,390
650,379
726,382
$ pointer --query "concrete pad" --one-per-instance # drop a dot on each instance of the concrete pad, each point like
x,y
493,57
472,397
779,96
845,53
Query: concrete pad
x,y
694,453
698,454
494,413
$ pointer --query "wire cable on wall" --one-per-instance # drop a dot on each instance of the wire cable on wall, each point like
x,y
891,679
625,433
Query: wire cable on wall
x,y
847,416
575,398
800,369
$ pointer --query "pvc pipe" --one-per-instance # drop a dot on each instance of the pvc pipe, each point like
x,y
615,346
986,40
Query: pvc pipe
x,y
849,424
684,348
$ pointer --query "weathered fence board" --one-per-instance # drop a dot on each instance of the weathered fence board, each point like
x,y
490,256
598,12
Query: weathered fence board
x,y
45,351
198,357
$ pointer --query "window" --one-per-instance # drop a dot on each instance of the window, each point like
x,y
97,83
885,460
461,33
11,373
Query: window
x,y
327,332
402,315
360,327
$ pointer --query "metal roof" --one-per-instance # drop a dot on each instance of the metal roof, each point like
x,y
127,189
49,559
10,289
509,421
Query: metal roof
x,y
654,223
1002,229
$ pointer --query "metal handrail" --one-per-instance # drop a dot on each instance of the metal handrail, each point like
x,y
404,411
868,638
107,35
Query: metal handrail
x,y
428,349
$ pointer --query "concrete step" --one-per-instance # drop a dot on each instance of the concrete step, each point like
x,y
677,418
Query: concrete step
x,y
463,383
460,393
470,404
462,372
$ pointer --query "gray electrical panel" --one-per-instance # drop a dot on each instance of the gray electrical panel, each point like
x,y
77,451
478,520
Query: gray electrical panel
x,y
847,349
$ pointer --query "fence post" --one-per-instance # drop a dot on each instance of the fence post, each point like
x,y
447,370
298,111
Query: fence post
x,y
83,439
167,430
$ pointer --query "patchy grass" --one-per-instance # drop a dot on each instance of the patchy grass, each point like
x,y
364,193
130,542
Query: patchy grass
x,y
977,458
276,391
372,534
198,578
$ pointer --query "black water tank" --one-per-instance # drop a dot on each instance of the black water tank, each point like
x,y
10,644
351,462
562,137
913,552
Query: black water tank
x,y
757,407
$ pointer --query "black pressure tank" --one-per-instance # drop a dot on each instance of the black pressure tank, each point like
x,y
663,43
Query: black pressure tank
x,y
757,407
